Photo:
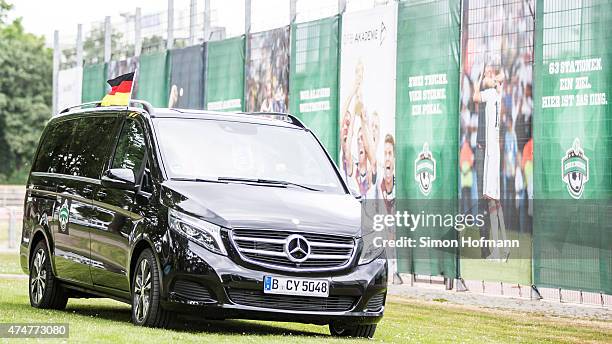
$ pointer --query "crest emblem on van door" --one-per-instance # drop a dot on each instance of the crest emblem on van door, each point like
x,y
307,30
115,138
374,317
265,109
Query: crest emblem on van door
x,y
575,169
425,170
64,216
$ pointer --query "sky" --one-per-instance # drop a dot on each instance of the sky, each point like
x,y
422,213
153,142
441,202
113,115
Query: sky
x,y
42,17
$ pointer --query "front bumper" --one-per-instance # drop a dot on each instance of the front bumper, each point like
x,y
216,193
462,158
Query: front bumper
x,y
196,281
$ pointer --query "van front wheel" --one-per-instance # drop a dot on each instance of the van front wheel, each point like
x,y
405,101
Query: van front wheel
x,y
146,307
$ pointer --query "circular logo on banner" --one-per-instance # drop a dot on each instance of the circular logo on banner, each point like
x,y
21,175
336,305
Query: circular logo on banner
x,y
575,169
425,170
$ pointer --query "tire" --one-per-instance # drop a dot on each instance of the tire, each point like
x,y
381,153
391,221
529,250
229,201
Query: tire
x,y
146,291
360,331
44,289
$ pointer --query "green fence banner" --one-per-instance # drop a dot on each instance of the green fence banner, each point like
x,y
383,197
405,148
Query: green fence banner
x,y
187,78
426,124
267,71
153,78
573,146
313,95
94,82
225,75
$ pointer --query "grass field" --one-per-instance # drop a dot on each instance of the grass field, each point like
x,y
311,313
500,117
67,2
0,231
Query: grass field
x,y
406,321
516,270
9,263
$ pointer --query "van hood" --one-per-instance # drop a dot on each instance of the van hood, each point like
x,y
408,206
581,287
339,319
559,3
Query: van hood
x,y
239,205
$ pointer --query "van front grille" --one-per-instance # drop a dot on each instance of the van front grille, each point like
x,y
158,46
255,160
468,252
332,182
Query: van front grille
x,y
376,302
267,248
258,299
191,290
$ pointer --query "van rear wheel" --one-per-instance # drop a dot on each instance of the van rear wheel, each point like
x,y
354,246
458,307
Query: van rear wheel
x,y
44,289
362,331
146,289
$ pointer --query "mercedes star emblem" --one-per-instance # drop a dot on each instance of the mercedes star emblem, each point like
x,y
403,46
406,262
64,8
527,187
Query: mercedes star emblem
x,y
297,248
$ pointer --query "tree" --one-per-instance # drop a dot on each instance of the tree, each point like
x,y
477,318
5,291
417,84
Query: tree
x,y
4,8
25,94
93,46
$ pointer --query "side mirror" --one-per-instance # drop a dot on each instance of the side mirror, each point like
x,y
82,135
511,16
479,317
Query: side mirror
x,y
119,178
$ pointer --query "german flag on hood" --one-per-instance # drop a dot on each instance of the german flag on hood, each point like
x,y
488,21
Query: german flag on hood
x,y
121,90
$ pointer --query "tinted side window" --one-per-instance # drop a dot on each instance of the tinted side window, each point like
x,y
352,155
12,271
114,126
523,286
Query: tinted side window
x,y
90,146
130,148
54,149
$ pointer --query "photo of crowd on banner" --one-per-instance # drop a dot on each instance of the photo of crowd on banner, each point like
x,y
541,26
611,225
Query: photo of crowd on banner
x,y
496,107
267,75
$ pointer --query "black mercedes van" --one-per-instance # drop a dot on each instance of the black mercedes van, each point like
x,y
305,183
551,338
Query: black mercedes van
x,y
214,214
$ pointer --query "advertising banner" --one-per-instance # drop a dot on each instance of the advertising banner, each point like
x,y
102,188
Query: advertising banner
x,y
573,145
69,87
367,101
267,71
367,113
314,78
94,82
426,124
225,74
153,78
495,143
187,78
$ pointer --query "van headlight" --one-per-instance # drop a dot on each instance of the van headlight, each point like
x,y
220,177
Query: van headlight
x,y
372,247
202,232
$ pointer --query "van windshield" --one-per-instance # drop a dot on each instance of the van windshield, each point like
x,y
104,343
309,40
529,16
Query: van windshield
x,y
202,149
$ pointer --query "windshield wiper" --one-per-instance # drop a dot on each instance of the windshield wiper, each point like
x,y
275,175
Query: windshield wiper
x,y
203,180
266,181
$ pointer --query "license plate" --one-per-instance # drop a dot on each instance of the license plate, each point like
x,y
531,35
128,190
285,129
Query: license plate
x,y
296,286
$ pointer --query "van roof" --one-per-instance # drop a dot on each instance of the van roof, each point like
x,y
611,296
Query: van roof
x,y
268,118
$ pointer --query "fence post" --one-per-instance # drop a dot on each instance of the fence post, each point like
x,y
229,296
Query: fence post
x,y
193,21
247,31
107,39
11,228
341,6
292,11
79,46
247,17
137,32
56,65
170,34
207,25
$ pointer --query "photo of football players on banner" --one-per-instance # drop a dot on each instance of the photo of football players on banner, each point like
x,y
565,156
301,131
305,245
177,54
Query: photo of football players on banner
x,y
367,102
367,111
496,107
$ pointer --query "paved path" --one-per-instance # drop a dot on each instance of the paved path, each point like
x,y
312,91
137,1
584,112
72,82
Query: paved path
x,y
467,298
13,276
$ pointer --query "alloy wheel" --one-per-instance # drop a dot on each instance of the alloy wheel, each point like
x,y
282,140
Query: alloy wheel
x,y
142,291
38,280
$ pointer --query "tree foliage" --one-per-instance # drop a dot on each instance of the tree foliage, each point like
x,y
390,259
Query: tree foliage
x,y
25,94
4,8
